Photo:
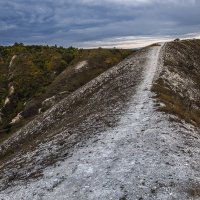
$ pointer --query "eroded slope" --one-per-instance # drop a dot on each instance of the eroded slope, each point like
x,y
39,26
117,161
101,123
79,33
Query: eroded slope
x,y
33,78
179,83
89,110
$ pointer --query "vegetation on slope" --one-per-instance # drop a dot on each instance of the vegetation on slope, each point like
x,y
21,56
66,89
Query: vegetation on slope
x,y
39,72
179,84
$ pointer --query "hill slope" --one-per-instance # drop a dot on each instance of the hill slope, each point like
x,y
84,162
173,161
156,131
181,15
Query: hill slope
x,y
107,140
179,84
33,78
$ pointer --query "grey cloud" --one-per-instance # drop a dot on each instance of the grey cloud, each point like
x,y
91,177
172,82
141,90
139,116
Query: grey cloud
x,y
79,22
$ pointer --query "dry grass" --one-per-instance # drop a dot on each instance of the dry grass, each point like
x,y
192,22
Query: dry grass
x,y
193,190
154,45
187,64
175,104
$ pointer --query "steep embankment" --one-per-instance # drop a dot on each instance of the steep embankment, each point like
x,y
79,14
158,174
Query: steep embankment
x,y
33,78
179,83
106,141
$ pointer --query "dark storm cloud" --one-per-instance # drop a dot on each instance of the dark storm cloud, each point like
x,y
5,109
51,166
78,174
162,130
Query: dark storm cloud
x,y
80,22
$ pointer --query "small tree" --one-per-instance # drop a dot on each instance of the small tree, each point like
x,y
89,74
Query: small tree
x,y
177,40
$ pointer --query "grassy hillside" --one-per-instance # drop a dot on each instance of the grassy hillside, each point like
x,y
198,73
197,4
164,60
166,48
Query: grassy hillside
x,y
179,84
40,72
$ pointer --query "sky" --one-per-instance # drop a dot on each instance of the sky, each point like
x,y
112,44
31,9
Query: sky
x,y
95,23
